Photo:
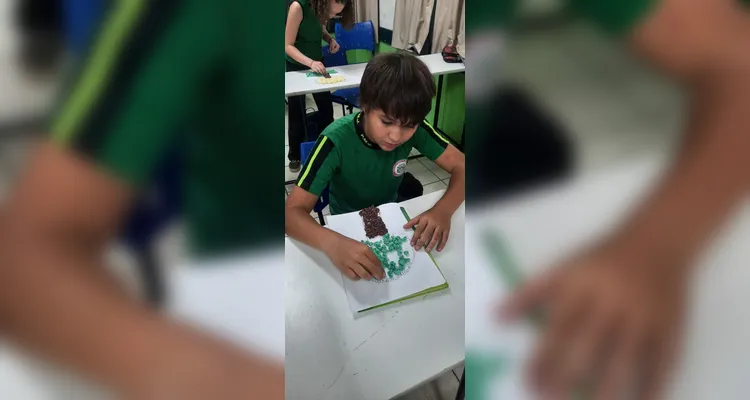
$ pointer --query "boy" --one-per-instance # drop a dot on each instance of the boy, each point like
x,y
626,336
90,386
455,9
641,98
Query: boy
x,y
363,158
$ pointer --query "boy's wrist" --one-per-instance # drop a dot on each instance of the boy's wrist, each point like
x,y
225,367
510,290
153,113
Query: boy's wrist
x,y
328,241
442,207
649,247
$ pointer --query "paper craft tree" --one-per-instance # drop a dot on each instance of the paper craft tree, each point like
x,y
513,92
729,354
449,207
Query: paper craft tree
x,y
374,225
388,244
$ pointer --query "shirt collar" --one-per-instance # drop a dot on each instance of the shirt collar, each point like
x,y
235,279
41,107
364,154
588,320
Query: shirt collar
x,y
359,125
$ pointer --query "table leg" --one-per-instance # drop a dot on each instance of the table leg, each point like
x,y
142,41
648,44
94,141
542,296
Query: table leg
x,y
437,100
304,125
460,395
151,274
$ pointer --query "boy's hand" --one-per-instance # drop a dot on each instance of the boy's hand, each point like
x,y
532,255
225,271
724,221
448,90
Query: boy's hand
x,y
318,67
354,259
610,323
433,229
333,46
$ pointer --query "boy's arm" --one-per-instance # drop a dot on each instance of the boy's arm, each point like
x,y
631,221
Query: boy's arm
x,y
454,162
300,225
613,287
55,297
352,258
711,174
433,226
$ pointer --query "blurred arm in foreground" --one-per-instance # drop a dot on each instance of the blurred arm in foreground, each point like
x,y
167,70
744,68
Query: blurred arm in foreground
x,y
55,297
614,313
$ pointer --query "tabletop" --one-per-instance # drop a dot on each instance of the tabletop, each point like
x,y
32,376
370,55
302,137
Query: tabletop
x,y
331,354
542,227
297,83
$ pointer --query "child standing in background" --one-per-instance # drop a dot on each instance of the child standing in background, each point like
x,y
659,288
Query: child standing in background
x,y
305,30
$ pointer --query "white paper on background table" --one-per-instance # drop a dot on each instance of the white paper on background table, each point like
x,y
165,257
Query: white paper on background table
x,y
422,274
336,77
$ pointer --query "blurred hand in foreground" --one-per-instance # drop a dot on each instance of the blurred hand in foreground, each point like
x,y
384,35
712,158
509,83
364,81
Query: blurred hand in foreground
x,y
612,324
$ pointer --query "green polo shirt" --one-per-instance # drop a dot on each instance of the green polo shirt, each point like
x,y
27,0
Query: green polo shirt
x,y
359,173
615,16
309,34
169,71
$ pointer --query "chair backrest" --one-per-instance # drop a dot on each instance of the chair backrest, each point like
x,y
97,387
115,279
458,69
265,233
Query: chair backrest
x,y
335,59
82,17
305,149
360,37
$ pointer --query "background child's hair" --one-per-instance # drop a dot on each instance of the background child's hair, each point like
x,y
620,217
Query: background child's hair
x,y
321,10
400,84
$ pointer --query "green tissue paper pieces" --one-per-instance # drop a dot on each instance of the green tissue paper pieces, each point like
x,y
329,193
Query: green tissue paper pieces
x,y
390,244
315,74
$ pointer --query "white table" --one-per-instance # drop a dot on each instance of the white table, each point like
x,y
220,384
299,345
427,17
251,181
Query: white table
x,y
539,228
296,83
332,355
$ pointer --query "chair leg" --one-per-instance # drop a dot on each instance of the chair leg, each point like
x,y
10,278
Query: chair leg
x,y
343,110
152,279
460,395
321,218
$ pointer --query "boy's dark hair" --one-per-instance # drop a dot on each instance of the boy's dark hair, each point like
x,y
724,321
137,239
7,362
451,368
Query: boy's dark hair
x,y
347,15
400,84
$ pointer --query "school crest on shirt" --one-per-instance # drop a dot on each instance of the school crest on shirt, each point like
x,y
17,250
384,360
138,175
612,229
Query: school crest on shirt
x,y
399,168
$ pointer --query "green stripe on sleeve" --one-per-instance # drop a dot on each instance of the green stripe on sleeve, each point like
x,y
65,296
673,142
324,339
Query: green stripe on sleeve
x,y
311,161
120,24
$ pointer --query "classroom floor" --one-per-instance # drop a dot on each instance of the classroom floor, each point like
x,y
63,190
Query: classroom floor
x,y
432,177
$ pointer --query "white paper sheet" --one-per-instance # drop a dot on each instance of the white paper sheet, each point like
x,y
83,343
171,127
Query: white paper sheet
x,y
422,274
337,73
499,352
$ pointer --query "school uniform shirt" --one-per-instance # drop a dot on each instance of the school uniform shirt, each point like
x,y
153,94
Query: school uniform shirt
x,y
163,72
359,173
309,35
615,16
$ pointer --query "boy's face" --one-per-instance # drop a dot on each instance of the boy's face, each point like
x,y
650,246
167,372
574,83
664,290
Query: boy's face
x,y
335,8
386,132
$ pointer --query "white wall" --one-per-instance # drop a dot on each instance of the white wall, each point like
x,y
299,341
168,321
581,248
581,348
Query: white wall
x,y
387,13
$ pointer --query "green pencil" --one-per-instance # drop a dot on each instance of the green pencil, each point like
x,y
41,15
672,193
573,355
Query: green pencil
x,y
504,264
